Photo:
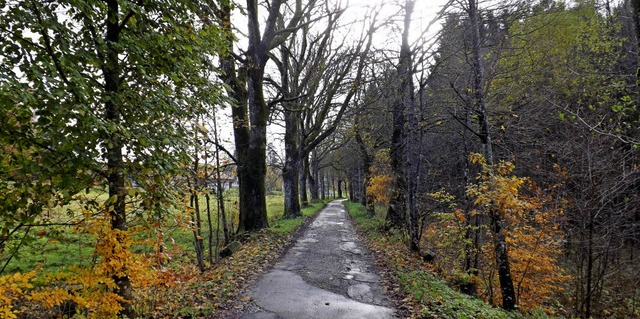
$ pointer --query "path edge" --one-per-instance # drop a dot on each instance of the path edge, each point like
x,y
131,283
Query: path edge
x,y
241,302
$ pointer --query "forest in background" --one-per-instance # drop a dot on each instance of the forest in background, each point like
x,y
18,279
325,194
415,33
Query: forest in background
x,y
505,151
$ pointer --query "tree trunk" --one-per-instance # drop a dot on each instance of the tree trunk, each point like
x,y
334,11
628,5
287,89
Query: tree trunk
x,y
114,144
589,289
502,258
412,157
195,205
210,244
220,189
291,170
250,114
352,194
502,261
195,228
323,188
362,188
237,82
397,212
367,162
333,187
339,188
478,83
313,177
253,168
304,200
472,222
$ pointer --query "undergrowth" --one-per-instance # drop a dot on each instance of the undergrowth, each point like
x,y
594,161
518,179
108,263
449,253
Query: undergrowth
x,y
215,293
419,293
178,289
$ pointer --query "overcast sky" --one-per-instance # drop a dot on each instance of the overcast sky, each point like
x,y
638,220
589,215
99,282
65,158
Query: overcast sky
x,y
424,13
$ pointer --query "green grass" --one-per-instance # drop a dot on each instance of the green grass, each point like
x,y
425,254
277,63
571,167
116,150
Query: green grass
x,y
285,226
53,253
359,213
441,301
60,247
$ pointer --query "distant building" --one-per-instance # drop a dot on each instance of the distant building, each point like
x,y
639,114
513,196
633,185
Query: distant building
x,y
227,181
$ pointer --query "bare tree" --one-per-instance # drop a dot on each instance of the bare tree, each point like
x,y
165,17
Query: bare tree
x,y
250,111
314,73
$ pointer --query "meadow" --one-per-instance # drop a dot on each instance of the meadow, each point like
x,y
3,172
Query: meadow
x,y
62,244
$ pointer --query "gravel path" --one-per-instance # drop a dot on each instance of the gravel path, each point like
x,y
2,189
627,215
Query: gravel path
x,y
326,274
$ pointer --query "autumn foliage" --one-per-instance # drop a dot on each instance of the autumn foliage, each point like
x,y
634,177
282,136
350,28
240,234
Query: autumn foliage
x,y
91,289
532,219
381,182
13,287
379,189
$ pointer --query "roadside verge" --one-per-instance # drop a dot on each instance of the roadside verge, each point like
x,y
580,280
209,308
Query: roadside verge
x,y
411,282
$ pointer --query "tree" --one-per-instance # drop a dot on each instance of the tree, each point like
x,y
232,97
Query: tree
x,y
402,211
497,224
250,110
458,86
404,98
299,77
566,78
530,226
96,92
318,80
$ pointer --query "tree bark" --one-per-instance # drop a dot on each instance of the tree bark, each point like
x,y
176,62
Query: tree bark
x,y
236,80
291,170
502,257
114,144
313,177
352,194
397,212
412,142
304,171
323,187
250,130
367,163
253,168
250,115
220,190
502,261
589,289
478,83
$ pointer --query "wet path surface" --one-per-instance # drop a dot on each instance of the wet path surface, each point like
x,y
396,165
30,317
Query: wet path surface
x,y
326,274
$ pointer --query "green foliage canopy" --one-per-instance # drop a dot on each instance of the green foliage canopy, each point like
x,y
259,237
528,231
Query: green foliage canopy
x,y
53,128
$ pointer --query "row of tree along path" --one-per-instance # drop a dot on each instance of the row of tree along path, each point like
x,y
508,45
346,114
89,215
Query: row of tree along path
x,y
326,274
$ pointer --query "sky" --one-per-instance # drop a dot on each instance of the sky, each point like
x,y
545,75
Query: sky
x,y
424,13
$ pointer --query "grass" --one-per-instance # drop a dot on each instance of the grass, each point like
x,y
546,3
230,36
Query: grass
x,y
285,226
440,300
53,253
183,291
215,293
422,293
56,248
